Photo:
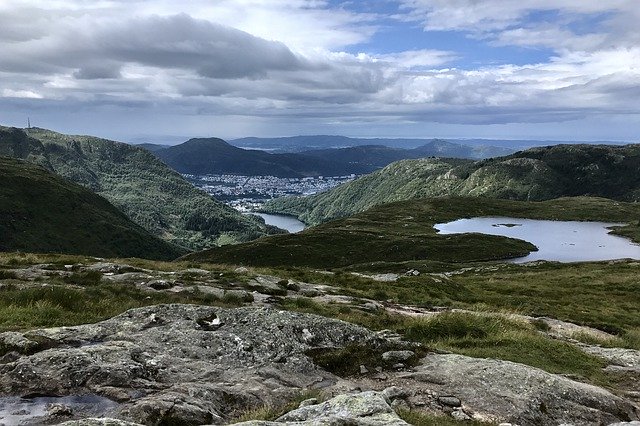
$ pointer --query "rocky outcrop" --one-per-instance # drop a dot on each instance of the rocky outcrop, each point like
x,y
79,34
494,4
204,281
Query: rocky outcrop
x,y
503,391
177,363
195,365
362,409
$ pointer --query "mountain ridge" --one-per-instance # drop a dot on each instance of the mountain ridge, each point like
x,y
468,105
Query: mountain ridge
x,y
44,213
201,156
536,174
138,183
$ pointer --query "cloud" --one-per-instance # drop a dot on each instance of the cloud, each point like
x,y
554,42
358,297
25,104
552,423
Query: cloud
x,y
309,60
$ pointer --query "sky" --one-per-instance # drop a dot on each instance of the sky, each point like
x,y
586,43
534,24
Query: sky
x,y
163,70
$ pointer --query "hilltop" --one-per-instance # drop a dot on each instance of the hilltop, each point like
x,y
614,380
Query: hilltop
x,y
475,148
136,182
44,213
215,156
535,174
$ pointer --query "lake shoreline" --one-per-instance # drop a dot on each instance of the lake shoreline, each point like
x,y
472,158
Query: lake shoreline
x,y
561,241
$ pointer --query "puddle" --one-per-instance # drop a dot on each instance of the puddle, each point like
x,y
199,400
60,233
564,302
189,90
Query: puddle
x,y
33,411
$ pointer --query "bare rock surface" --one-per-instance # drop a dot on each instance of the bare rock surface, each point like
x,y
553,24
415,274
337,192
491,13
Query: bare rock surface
x,y
178,363
361,409
626,358
503,391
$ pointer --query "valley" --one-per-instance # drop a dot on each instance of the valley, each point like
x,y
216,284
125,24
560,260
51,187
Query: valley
x,y
319,213
371,314
248,193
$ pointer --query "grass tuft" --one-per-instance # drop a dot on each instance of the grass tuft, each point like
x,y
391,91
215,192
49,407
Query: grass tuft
x,y
272,412
416,418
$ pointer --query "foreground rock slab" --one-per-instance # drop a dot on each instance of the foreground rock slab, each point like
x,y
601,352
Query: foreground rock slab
x,y
184,364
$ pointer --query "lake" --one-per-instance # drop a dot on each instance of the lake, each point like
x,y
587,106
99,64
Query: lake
x,y
289,223
563,241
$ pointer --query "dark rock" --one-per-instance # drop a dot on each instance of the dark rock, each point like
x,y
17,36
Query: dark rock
x,y
450,401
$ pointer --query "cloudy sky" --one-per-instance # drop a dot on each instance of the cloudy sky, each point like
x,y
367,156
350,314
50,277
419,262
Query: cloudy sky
x,y
163,69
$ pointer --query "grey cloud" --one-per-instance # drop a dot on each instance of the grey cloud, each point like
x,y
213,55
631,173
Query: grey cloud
x,y
178,41
211,50
98,71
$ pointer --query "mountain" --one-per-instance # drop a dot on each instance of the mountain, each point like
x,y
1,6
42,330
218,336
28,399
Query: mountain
x,y
215,156
153,147
42,212
378,156
302,144
535,174
319,142
139,184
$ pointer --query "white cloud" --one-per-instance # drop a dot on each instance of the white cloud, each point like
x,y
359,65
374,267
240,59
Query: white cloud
x,y
290,60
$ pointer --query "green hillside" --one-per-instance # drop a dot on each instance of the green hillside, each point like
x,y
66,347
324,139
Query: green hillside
x,y
402,232
535,174
44,213
215,156
134,180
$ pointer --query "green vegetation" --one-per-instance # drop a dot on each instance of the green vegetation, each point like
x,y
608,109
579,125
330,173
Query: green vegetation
x,y
416,418
478,335
139,184
347,361
602,295
536,174
400,236
272,412
483,336
57,305
42,212
215,156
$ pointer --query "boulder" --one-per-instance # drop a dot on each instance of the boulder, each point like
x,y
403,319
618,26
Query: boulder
x,y
362,409
503,391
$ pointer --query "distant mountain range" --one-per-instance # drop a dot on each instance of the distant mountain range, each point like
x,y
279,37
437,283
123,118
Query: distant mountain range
x,y
42,212
535,174
215,156
139,184
493,147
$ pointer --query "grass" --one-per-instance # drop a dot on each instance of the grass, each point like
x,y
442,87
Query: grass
x,y
602,295
272,412
7,275
629,339
597,294
55,305
346,361
416,418
497,337
84,278
402,232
